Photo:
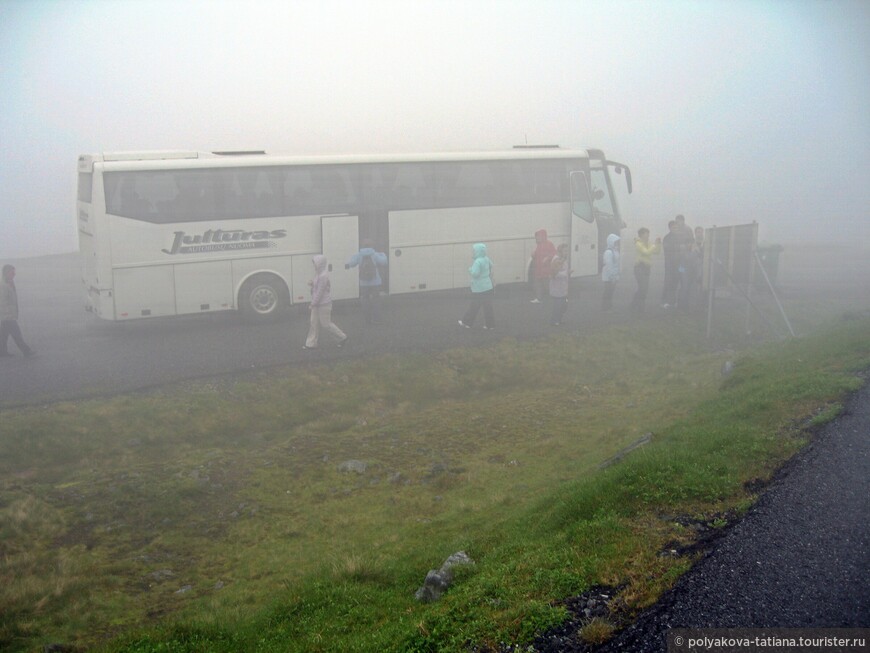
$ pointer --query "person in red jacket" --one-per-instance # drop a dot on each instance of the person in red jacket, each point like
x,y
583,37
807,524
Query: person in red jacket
x,y
541,259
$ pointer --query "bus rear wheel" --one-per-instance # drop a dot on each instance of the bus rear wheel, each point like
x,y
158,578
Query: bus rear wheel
x,y
262,297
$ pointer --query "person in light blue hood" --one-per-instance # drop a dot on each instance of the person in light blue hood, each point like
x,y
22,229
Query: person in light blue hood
x,y
482,288
610,271
370,262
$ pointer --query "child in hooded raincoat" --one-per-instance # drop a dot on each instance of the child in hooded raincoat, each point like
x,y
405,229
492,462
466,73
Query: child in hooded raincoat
x,y
321,305
560,274
482,289
610,271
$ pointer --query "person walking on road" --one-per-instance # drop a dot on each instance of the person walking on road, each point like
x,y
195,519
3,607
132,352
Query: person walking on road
x,y
9,315
482,289
370,262
321,306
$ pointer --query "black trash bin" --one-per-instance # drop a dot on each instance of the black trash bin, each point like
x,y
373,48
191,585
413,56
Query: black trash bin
x,y
769,257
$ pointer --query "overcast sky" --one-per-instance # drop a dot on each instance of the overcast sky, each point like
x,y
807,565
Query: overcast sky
x,y
725,111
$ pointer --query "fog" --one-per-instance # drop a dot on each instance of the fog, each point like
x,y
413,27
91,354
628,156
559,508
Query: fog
x,y
725,111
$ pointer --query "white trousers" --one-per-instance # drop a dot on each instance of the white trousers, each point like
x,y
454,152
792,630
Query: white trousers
x,y
321,316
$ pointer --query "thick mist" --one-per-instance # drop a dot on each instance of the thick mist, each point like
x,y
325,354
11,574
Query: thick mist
x,y
726,112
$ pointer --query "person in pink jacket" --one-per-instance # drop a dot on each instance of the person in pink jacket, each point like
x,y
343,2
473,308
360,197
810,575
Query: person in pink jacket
x,y
321,305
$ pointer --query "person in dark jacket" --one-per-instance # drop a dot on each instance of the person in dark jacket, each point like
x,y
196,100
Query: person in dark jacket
x,y
9,315
671,247
686,239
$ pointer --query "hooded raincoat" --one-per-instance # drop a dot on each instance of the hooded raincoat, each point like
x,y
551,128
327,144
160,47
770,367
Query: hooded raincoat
x,y
480,270
543,254
379,259
610,271
321,306
320,287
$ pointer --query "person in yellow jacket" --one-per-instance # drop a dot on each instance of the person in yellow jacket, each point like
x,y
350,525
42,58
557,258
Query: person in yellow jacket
x,y
642,268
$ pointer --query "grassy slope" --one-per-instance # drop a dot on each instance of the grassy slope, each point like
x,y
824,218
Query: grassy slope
x,y
109,508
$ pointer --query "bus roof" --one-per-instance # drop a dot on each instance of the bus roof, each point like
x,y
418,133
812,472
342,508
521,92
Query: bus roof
x,y
188,159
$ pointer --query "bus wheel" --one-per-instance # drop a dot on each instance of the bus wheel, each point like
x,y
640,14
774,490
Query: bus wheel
x,y
263,296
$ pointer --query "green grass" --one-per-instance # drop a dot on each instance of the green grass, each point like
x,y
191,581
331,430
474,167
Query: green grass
x,y
213,516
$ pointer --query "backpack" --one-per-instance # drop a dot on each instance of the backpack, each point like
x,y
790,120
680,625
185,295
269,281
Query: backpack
x,y
367,269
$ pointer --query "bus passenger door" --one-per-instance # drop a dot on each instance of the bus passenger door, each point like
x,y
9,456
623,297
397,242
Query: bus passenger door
x,y
340,239
584,231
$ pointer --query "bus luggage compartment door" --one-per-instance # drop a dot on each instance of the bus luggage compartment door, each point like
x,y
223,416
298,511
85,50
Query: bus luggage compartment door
x,y
144,292
340,234
203,286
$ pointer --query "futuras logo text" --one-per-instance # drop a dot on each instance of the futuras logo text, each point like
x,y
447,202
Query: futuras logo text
x,y
217,240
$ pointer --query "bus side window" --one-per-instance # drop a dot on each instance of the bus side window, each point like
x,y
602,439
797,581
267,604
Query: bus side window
x,y
194,199
132,205
331,189
296,187
266,198
247,193
549,181
474,184
507,182
240,197
326,191
123,198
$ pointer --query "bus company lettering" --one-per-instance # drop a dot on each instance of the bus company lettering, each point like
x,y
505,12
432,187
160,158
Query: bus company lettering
x,y
217,240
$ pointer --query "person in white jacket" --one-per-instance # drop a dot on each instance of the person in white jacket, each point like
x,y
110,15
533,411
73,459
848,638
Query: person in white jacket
x,y
610,271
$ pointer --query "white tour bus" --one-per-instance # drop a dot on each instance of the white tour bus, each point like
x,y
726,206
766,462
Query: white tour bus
x,y
173,233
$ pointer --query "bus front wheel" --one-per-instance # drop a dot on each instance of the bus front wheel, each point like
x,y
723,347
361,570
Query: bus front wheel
x,y
263,297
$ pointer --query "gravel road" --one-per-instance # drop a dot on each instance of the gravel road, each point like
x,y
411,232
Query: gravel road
x,y
799,558
80,356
